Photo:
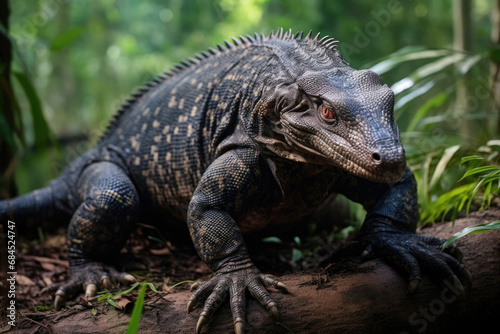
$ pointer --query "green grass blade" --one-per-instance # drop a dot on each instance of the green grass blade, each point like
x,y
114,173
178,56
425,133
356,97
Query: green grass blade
x,y
480,228
285,327
479,170
274,240
404,55
106,295
423,190
493,142
112,303
183,282
158,240
470,62
471,157
452,200
151,286
426,71
40,127
66,39
135,318
486,195
7,133
447,155
127,290
433,103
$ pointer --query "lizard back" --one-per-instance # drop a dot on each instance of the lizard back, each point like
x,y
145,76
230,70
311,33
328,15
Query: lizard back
x,y
169,132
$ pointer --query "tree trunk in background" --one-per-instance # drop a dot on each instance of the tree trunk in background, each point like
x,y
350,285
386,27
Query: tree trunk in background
x,y
7,185
463,42
62,96
495,66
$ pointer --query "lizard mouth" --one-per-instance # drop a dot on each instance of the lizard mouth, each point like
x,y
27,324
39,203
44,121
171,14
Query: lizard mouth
x,y
342,154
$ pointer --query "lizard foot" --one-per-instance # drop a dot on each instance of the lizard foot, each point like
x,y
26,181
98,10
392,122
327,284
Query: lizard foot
x,y
88,277
411,252
233,284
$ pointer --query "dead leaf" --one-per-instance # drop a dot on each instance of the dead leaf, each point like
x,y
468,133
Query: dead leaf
x,y
41,259
162,251
24,280
47,266
123,302
47,280
165,288
6,329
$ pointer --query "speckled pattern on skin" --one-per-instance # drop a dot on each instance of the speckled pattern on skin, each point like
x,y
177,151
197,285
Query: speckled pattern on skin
x,y
257,132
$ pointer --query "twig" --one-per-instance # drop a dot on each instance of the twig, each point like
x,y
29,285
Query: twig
x,y
39,324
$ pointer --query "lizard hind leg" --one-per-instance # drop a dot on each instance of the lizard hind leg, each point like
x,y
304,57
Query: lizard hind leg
x,y
98,230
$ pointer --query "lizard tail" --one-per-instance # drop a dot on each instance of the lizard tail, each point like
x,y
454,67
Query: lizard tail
x,y
47,208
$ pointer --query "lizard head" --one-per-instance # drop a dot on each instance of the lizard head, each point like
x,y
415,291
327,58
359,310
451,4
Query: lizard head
x,y
325,112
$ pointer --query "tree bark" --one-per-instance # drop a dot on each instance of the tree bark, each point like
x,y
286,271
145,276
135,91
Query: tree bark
x,y
366,298
495,65
463,41
7,184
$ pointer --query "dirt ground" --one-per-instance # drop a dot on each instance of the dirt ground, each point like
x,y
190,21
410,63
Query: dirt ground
x,y
42,264
166,261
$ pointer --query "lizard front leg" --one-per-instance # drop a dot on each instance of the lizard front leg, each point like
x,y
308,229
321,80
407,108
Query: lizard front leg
x,y
389,230
98,230
232,185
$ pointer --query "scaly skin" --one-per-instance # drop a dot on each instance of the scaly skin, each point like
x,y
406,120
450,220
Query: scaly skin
x,y
255,133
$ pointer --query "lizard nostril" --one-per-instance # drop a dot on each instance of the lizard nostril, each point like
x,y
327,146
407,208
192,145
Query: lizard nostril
x,y
376,156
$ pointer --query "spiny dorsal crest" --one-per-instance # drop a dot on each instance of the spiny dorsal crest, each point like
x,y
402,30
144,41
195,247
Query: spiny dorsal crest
x,y
325,42
320,48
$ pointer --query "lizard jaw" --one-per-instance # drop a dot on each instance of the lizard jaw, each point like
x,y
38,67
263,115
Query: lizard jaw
x,y
333,152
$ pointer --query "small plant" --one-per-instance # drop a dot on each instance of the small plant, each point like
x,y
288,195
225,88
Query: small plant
x,y
483,176
109,297
139,303
434,133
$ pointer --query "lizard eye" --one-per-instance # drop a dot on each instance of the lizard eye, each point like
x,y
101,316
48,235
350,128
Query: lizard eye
x,y
327,113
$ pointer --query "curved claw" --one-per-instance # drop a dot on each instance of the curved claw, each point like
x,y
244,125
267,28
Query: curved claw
x,y
272,308
90,291
233,284
190,306
454,251
201,322
411,251
460,288
367,253
105,282
466,274
239,326
282,287
59,300
91,275
413,284
194,286
128,278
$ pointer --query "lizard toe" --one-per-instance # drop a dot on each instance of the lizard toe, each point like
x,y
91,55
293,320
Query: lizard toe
x,y
259,292
88,277
412,252
233,285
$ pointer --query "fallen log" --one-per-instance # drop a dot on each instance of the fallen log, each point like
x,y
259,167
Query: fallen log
x,y
368,298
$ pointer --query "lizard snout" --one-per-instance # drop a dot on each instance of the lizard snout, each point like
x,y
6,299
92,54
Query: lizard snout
x,y
389,160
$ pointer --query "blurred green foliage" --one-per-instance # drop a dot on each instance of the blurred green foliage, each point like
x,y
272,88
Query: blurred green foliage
x,y
85,57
